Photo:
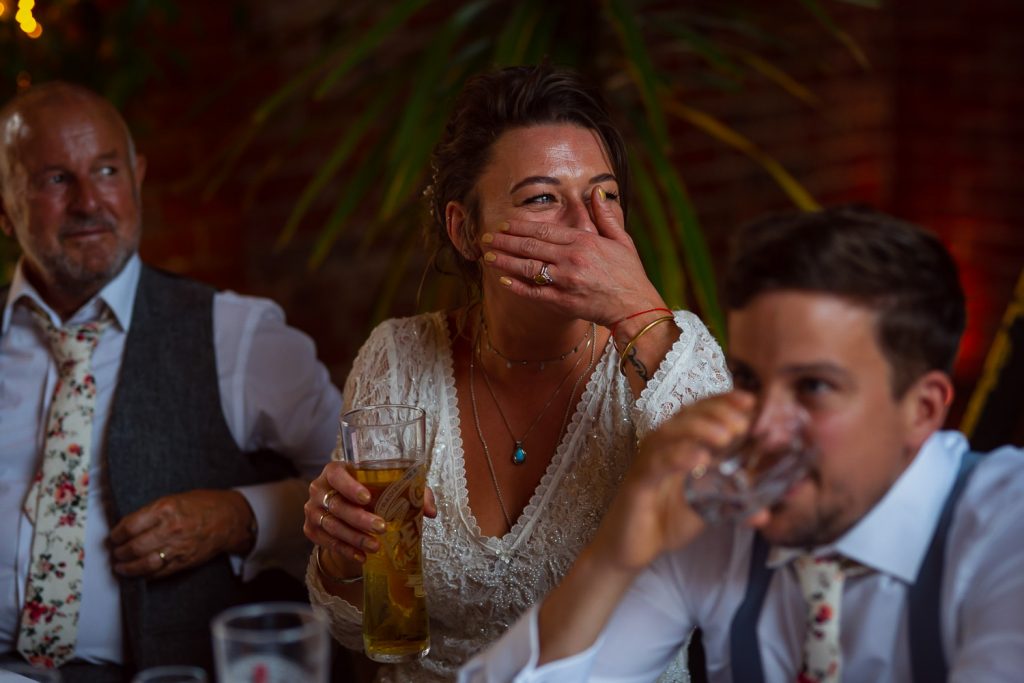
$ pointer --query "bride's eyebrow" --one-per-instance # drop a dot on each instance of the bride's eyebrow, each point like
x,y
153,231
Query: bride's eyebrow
x,y
548,180
535,180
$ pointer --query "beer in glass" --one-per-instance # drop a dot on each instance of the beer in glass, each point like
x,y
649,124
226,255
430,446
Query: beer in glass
x,y
384,448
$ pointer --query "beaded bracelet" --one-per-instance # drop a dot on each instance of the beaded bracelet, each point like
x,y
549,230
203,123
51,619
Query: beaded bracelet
x,y
332,577
633,341
611,328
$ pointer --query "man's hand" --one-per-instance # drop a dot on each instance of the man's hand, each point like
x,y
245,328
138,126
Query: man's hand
x,y
650,514
648,517
180,531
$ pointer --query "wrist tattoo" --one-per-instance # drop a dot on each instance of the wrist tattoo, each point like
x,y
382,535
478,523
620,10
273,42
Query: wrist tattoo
x,y
637,364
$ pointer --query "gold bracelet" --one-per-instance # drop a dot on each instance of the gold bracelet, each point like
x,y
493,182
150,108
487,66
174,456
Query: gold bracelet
x,y
633,341
332,577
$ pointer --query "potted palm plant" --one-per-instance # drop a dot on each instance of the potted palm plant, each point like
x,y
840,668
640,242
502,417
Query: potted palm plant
x,y
396,66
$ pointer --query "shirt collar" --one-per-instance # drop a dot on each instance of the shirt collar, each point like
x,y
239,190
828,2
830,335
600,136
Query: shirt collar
x,y
118,295
893,537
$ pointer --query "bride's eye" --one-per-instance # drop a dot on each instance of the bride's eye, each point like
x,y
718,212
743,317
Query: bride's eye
x,y
540,199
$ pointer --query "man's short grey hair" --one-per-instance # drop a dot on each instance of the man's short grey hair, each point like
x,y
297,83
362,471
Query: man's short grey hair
x,y
11,119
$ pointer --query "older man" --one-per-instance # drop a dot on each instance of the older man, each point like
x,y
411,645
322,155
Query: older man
x,y
155,433
897,556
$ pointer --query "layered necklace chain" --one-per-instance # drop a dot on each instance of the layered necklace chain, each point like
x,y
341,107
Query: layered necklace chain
x,y
519,453
542,363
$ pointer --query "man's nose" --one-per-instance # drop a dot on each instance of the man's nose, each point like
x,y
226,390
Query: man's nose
x,y
778,420
85,197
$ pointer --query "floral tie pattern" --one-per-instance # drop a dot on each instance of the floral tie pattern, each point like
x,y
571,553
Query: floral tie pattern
x,y
821,580
56,501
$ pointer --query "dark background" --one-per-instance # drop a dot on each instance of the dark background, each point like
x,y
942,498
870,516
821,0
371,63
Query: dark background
x,y
931,131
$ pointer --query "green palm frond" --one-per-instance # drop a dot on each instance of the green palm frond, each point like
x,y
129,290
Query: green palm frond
x,y
397,67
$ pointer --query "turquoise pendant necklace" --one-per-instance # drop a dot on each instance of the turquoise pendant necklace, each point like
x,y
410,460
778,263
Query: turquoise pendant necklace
x,y
518,451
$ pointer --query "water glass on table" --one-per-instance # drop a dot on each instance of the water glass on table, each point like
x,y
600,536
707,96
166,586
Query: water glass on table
x,y
755,471
384,449
274,642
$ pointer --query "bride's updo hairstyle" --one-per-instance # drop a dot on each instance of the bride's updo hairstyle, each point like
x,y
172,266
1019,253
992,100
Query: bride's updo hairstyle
x,y
488,106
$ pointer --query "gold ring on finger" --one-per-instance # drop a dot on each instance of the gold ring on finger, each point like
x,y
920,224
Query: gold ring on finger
x,y
163,558
326,503
320,522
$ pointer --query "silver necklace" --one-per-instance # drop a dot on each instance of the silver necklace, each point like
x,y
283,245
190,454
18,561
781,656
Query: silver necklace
x,y
480,431
509,362
518,451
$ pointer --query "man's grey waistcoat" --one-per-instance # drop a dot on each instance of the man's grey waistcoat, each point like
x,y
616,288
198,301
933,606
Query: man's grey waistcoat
x,y
167,434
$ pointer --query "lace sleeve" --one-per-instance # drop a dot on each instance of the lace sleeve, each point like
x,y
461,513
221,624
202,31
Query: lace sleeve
x,y
343,618
694,368
374,378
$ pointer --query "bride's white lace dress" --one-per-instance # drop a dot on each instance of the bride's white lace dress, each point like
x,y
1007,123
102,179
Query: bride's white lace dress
x,y
478,585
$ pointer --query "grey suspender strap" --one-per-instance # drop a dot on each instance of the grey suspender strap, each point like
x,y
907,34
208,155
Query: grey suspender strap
x,y
924,613
744,648
927,660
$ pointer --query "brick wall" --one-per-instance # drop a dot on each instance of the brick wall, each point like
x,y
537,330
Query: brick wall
x,y
959,147
930,131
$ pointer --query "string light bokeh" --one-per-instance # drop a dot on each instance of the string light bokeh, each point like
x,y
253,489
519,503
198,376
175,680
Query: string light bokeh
x,y
27,21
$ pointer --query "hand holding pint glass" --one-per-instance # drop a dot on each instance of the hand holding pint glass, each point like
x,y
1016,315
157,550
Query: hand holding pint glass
x,y
384,450
754,472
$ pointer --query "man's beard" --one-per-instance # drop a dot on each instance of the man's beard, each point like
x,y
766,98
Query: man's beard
x,y
73,275
821,526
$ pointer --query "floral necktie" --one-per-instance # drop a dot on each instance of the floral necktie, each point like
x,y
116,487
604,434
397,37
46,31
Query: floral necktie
x,y
56,501
821,580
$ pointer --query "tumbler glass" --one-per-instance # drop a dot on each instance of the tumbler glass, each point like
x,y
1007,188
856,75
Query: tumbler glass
x,y
755,471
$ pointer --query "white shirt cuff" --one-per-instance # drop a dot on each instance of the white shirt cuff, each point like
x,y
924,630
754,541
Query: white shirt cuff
x,y
513,657
280,543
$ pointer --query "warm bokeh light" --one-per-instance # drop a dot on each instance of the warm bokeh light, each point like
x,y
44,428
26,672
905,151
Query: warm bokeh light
x,y
26,21
3,8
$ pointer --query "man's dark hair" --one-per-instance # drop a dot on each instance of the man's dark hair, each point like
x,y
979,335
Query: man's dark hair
x,y
899,270
492,104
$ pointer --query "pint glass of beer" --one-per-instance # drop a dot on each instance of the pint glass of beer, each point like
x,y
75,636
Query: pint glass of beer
x,y
385,451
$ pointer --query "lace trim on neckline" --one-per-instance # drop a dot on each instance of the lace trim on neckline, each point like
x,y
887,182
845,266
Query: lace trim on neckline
x,y
520,531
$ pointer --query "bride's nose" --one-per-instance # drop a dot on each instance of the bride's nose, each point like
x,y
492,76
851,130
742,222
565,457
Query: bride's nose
x,y
579,214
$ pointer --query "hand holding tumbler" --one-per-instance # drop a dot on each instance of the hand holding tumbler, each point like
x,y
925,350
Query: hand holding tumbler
x,y
756,471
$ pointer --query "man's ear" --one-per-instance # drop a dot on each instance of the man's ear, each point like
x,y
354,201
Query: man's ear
x,y
457,223
926,404
140,169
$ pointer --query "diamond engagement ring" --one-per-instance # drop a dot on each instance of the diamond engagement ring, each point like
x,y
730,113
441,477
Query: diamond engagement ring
x,y
543,278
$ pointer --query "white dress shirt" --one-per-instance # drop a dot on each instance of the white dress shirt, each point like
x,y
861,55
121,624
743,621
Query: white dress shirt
x,y
274,394
982,591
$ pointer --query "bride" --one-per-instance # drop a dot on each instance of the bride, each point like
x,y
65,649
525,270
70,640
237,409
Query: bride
x,y
537,392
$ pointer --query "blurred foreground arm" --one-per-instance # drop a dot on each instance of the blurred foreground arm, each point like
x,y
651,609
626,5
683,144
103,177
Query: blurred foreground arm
x,y
648,517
